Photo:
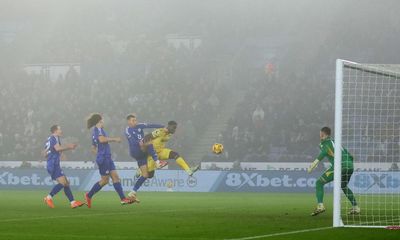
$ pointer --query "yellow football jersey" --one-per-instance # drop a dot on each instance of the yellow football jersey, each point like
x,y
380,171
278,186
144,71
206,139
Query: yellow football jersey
x,y
161,137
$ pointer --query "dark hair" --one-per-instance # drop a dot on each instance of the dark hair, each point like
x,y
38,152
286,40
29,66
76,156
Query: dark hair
x,y
93,119
173,123
130,116
54,128
326,130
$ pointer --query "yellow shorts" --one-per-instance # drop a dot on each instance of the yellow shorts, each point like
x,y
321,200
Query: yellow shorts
x,y
163,154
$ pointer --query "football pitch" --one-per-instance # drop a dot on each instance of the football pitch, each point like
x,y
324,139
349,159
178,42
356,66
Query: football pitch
x,y
172,215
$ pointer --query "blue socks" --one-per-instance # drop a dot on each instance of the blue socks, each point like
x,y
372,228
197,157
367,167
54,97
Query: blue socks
x,y
118,189
139,183
68,193
152,152
56,189
96,187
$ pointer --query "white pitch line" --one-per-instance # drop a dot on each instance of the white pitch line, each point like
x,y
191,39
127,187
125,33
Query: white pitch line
x,y
281,234
103,214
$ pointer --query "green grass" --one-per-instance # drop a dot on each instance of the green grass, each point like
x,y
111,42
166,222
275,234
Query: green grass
x,y
172,216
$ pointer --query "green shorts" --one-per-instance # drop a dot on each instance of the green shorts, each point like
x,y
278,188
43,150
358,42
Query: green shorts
x,y
327,176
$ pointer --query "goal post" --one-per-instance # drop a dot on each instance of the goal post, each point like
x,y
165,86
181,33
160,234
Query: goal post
x,y
367,123
337,222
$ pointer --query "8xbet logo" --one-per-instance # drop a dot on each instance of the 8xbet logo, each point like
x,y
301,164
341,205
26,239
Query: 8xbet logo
x,y
368,181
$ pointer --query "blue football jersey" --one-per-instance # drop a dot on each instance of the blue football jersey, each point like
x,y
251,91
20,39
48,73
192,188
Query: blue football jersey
x,y
102,148
135,135
51,152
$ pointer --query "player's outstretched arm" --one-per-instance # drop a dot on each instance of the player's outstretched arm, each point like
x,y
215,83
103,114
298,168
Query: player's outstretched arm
x,y
103,139
150,125
69,146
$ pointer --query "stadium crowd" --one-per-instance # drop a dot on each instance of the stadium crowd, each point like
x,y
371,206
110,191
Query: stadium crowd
x,y
155,90
268,126
128,66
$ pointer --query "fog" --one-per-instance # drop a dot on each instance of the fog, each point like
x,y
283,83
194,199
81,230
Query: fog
x,y
257,76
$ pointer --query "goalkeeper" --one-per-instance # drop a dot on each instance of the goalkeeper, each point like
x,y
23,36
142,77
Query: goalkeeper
x,y
327,150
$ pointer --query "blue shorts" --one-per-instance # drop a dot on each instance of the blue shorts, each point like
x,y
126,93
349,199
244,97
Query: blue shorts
x,y
54,169
141,158
105,164
141,162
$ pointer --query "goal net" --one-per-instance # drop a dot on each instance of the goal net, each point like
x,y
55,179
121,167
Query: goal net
x,y
367,123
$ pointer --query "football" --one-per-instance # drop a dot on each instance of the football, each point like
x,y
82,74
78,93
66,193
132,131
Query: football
x,y
217,148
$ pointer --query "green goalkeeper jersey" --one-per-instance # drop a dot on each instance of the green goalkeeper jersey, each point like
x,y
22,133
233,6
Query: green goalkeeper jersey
x,y
327,148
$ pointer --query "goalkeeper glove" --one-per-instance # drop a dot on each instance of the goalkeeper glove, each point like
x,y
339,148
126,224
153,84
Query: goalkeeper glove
x,y
313,166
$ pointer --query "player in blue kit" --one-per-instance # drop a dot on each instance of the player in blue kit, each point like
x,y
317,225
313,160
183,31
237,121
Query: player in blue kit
x,y
101,146
140,150
53,151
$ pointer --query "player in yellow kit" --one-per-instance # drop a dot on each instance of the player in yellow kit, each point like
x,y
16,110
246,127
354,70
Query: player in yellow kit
x,y
159,138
